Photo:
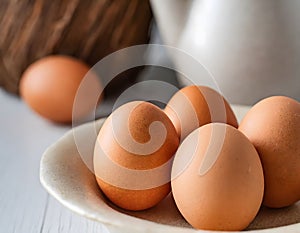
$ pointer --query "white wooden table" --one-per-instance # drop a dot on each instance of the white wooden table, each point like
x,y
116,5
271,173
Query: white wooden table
x,y
25,207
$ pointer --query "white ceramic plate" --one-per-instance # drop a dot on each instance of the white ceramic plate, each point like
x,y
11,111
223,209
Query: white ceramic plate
x,y
65,176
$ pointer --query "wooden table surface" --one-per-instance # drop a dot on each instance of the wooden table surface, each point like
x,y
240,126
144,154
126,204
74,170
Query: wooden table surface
x,y
25,207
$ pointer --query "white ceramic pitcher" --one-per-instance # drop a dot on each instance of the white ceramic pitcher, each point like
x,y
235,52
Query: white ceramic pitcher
x,y
252,47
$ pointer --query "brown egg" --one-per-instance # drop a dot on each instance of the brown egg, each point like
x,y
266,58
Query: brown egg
x,y
49,86
273,126
194,106
217,179
133,155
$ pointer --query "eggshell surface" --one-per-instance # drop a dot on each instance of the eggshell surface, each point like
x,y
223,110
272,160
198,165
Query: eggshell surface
x,y
273,126
194,106
217,179
49,87
133,155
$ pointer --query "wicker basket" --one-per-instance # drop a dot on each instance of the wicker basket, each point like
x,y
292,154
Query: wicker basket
x,y
86,29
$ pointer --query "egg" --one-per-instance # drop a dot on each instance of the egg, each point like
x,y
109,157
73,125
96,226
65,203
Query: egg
x,y
133,155
49,86
217,179
273,126
194,106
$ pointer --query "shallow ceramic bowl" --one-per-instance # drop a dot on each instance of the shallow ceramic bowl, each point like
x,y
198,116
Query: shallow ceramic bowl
x,y
66,176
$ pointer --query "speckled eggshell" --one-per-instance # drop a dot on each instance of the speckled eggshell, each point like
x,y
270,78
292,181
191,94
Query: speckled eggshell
x,y
133,176
273,126
194,106
217,179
